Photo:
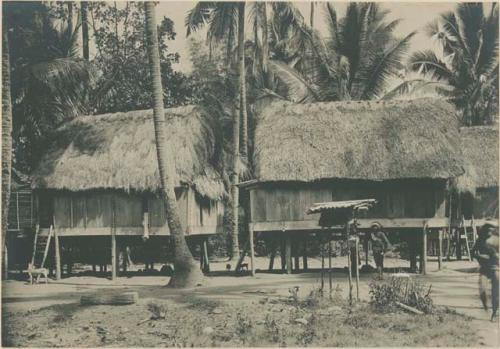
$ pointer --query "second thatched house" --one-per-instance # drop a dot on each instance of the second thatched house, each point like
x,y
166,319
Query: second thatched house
x,y
477,190
401,153
100,176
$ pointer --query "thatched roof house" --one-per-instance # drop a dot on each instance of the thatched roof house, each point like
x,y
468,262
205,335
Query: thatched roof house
x,y
479,146
101,172
477,188
357,140
118,151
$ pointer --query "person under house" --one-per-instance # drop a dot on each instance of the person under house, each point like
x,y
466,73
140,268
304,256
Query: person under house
x,y
380,245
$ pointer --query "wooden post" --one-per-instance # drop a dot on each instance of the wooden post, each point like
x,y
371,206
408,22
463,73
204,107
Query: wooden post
x,y
288,254
349,262
357,268
113,242
57,255
440,248
282,253
367,247
252,251
330,277
322,252
296,259
272,245
202,259
450,217
206,263
304,257
424,251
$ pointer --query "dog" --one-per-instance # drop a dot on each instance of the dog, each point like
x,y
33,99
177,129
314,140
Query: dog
x,y
37,272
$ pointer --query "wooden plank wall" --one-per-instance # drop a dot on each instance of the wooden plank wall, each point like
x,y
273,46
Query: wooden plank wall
x,y
272,203
94,210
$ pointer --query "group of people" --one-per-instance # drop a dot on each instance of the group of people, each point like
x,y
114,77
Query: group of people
x,y
485,251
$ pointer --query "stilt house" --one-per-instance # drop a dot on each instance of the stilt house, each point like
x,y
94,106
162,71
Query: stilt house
x,y
477,194
100,176
401,153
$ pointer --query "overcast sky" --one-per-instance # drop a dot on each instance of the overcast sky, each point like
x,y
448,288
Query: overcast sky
x,y
413,15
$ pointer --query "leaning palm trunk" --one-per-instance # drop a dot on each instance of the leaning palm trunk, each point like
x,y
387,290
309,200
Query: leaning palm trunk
x,y
243,92
187,273
6,146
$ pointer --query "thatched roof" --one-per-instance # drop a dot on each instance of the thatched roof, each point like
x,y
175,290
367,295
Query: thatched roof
x,y
357,140
118,151
480,151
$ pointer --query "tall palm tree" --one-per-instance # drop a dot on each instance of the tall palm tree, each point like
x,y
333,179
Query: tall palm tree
x,y
6,144
468,62
225,20
187,273
85,29
355,61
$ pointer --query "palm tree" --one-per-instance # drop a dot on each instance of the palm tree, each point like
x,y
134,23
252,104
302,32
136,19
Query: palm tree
x,y
224,20
187,273
468,63
85,29
6,144
49,79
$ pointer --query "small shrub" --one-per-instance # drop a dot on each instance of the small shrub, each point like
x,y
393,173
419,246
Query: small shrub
x,y
385,293
158,311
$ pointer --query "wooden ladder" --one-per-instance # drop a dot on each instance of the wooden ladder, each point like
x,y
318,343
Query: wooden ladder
x,y
468,235
41,245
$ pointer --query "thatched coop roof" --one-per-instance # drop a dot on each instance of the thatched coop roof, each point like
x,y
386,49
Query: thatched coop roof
x,y
480,151
118,151
357,140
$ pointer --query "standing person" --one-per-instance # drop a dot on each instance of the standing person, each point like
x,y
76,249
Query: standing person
x,y
380,244
485,250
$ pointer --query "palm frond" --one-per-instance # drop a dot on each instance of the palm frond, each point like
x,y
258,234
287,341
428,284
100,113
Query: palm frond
x,y
298,89
198,16
385,65
428,62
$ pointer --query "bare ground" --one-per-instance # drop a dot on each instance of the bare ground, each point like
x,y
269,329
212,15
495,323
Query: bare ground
x,y
240,311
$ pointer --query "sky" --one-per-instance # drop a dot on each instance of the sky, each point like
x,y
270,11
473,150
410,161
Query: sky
x,y
414,17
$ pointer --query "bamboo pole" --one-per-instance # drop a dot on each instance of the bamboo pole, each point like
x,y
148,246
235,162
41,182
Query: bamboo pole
x,y
272,244
304,257
206,263
450,216
322,252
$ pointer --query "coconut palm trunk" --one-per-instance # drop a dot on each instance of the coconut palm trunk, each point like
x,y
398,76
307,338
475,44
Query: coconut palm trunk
x,y
311,18
235,247
187,273
85,29
242,81
6,146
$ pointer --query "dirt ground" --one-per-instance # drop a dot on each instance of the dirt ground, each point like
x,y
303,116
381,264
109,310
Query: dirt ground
x,y
50,315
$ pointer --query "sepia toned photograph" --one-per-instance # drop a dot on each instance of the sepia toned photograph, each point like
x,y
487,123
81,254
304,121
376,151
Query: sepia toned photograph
x,y
249,174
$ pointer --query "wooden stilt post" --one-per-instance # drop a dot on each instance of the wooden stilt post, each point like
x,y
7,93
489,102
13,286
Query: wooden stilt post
x,y
113,242
440,248
57,255
330,277
295,249
322,252
304,256
357,268
288,254
367,247
349,265
206,262
252,252
424,251
272,245
202,259
282,253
